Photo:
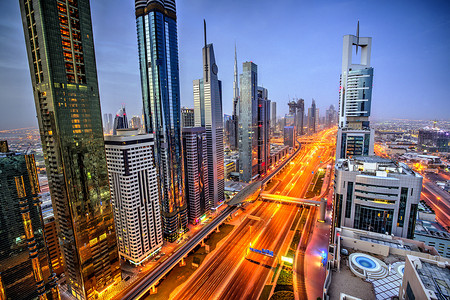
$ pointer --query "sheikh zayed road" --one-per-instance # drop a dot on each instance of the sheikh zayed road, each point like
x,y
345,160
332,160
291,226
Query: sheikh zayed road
x,y
234,272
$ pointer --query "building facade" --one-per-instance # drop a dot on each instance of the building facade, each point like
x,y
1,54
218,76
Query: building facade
x,y
433,140
160,81
187,117
208,114
273,116
134,194
376,194
263,130
60,47
196,172
248,122
25,269
355,97
289,136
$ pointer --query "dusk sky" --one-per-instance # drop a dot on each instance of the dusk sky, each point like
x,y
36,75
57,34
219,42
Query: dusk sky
x,y
297,46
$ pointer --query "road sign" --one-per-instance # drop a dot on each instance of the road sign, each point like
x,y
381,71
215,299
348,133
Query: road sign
x,y
262,251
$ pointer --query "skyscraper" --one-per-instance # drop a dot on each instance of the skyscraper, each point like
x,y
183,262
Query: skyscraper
x,y
312,122
263,130
61,57
300,116
158,56
25,269
273,115
248,122
234,132
330,116
121,120
136,210
187,117
208,114
355,98
196,172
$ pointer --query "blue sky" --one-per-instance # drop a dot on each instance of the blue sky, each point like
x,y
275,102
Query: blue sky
x,y
297,46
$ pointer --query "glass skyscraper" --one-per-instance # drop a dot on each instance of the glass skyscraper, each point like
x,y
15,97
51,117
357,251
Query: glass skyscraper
x,y
25,269
158,56
60,47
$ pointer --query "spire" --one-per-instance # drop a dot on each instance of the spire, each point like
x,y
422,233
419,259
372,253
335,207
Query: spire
x,y
357,37
205,53
204,30
235,82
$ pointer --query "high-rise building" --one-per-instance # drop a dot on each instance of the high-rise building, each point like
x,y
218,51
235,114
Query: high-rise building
x,y
248,122
376,194
263,130
433,140
136,210
121,120
300,116
135,122
273,116
289,136
208,114
25,269
51,240
312,117
355,99
187,117
330,116
158,56
60,47
196,172
234,130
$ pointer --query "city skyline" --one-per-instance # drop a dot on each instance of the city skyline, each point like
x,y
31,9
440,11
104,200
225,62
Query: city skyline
x,y
308,69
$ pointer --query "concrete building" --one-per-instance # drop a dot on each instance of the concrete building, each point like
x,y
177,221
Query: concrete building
x,y
355,96
196,172
61,58
156,23
425,279
208,114
248,122
134,193
263,130
354,142
376,194
187,117
432,234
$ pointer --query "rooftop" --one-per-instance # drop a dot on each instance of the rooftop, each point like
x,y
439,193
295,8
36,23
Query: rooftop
x,y
435,278
374,166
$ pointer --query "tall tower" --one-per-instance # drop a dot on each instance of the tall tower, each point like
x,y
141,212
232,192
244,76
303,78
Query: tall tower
x,y
235,118
263,130
355,98
60,47
208,114
121,120
248,122
158,56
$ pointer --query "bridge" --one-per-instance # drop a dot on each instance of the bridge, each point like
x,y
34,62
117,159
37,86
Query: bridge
x,y
287,199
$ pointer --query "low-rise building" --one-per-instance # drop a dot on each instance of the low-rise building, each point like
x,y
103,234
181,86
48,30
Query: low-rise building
x,y
432,234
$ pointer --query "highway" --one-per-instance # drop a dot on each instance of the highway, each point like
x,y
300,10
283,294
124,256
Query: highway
x,y
232,273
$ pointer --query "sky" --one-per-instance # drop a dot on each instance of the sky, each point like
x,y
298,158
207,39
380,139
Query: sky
x,y
296,44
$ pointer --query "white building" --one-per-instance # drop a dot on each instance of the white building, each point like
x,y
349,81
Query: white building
x,y
134,194
376,194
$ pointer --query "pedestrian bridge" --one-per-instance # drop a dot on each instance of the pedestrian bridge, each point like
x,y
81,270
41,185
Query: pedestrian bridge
x,y
287,199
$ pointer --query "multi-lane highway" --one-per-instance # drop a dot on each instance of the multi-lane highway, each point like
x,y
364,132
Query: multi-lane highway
x,y
233,272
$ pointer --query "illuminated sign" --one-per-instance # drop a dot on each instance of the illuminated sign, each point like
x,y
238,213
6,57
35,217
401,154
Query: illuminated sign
x,y
262,251
289,260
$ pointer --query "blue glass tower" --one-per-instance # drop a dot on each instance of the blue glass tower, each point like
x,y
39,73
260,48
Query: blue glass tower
x,y
158,56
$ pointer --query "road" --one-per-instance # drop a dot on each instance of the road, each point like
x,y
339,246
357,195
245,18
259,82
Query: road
x,y
232,273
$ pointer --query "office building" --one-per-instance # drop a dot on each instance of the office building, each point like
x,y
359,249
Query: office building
x,y
196,172
289,136
433,140
376,194
297,109
52,243
312,117
120,120
187,117
248,122
208,114
64,78
160,80
133,182
273,116
234,130
355,98
331,116
425,278
263,130
25,269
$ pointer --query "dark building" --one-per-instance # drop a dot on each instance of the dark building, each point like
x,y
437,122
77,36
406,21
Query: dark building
x,y
120,120
158,56
263,130
312,118
434,140
52,242
196,172
289,136
187,117
297,109
60,47
25,270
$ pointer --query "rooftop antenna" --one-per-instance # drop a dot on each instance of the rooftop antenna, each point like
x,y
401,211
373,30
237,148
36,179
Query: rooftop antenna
x,y
357,37
206,52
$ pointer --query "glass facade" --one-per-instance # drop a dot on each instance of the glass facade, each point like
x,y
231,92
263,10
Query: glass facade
x,y
248,123
158,56
373,219
25,270
412,221
59,40
402,207
348,200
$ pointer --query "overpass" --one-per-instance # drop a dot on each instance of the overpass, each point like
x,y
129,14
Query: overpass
x,y
287,199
